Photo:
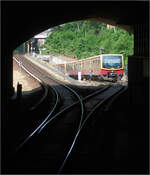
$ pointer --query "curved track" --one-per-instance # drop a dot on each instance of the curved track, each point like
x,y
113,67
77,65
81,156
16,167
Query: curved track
x,y
72,119
65,96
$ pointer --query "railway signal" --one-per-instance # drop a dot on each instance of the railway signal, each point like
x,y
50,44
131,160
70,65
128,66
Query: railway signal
x,y
102,50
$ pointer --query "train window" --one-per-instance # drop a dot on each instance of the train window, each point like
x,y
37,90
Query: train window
x,y
75,67
62,68
69,67
112,61
78,66
86,65
95,63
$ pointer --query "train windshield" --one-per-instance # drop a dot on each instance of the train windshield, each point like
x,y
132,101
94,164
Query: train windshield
x,y
112,61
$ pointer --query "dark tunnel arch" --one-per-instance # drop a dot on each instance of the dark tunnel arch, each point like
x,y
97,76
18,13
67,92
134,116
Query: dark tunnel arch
x,y
41,16
23,20
132,16
127,28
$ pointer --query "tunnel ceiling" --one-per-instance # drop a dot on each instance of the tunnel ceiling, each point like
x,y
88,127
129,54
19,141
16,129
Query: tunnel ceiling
x,y
23,20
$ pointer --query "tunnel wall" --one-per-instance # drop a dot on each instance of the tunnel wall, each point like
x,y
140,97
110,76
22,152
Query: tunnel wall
x,y
138,66
138,79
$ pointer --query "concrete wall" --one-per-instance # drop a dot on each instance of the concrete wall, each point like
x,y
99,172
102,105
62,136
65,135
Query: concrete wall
x,y
138,79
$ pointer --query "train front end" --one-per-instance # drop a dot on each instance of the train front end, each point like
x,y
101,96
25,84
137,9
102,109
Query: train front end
x,y
112,67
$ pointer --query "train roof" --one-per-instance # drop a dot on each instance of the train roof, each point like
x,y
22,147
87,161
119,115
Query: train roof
x,y
91,58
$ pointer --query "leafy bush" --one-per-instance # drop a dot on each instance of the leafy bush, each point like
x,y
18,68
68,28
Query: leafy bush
x,y
83,39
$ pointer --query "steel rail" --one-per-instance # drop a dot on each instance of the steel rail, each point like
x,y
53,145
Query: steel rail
x,y
41,124
44,123
70,89
81,117
72,105
48,116
82,122
48,119
42,99
41,83
78,132
27,70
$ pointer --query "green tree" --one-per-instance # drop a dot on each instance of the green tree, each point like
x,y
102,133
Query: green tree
x,y
83,39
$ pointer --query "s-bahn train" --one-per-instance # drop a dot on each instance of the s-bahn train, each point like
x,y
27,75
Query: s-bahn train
x,y
105,67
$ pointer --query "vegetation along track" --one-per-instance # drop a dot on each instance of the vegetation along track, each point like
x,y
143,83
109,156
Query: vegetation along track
x,y
68,125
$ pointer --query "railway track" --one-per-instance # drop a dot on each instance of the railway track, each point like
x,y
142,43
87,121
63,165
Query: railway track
x,y
32,108
56,137
101,102
66,95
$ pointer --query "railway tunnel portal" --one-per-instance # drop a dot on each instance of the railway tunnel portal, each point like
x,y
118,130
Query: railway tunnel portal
x,y
37,17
